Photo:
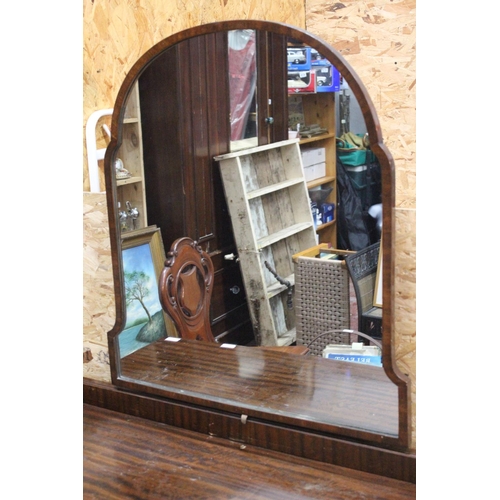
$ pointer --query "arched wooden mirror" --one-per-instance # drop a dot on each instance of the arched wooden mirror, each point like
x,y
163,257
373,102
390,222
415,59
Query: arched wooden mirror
x,y
363,403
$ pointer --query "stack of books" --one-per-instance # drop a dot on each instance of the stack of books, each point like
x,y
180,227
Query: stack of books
x,y
355,353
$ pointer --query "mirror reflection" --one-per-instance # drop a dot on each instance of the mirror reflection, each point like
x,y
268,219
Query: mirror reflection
x,y
242,60
276,114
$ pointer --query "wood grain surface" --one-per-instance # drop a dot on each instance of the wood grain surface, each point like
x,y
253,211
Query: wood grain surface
x,y
126,457
269,384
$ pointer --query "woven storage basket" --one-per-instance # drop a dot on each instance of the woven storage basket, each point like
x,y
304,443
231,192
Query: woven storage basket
x,y
321,301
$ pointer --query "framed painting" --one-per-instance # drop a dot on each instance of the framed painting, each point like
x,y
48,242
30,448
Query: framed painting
x,y
143,258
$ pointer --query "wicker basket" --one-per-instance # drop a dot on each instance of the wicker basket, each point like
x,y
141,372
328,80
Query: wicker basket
x,y
321,301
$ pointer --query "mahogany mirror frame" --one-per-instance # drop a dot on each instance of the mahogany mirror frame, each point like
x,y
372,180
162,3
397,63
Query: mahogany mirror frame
x,y
388,203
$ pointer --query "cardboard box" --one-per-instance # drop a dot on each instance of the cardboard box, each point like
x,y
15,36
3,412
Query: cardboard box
x,y
314,162
318,60
327,212
309,173
312,156
313,172
301,82
298,58
327,79
319,170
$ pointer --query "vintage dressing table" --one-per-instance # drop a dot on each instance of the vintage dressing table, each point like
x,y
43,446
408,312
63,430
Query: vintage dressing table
x,y
332,412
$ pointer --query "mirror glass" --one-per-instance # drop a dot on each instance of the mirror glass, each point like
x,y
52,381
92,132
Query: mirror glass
x,y
179,112
242,61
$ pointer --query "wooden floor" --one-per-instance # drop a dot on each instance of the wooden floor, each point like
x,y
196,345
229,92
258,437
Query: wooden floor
x,y
126,457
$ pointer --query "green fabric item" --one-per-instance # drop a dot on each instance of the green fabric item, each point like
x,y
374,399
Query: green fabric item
x,y
352,151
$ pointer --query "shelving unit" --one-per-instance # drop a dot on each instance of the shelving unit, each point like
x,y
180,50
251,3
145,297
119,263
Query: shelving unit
x,y
130,152
270,212
319,108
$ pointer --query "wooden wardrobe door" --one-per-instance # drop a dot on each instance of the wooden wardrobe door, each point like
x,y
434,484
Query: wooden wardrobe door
x,y
184,98
185,113
272,95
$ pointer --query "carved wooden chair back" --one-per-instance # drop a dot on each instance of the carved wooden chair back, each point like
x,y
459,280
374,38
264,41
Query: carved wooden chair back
x,y
185,289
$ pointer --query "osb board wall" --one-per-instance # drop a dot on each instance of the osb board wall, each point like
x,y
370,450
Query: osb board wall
x,y
378,39
98,296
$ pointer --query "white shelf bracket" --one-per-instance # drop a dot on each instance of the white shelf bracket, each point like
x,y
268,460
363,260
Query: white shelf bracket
x,y
94,154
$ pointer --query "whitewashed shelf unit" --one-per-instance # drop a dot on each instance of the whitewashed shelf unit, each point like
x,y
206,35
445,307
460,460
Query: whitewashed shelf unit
x,y
268,202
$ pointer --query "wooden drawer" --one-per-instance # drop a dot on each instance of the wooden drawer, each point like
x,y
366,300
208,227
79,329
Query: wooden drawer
x,y
228,292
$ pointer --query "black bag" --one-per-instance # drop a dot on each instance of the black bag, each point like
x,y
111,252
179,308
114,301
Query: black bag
x,y
352,231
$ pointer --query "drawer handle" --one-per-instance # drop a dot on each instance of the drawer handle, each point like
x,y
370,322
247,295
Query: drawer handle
x,y
235,289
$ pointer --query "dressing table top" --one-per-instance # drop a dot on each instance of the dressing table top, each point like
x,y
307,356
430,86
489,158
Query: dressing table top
x,y
270,384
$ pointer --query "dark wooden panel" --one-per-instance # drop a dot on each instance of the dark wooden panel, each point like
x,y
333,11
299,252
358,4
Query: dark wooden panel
x,y
262,88
219,134
278,87
184,108
163,158
196,172
185,115
323,450
271,85
228,291
205,130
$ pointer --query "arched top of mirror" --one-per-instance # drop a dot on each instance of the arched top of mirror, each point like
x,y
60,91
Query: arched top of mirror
x,y
377,146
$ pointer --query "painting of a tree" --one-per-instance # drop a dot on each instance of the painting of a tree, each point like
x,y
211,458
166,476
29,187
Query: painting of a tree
x,y
142,258
137,288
